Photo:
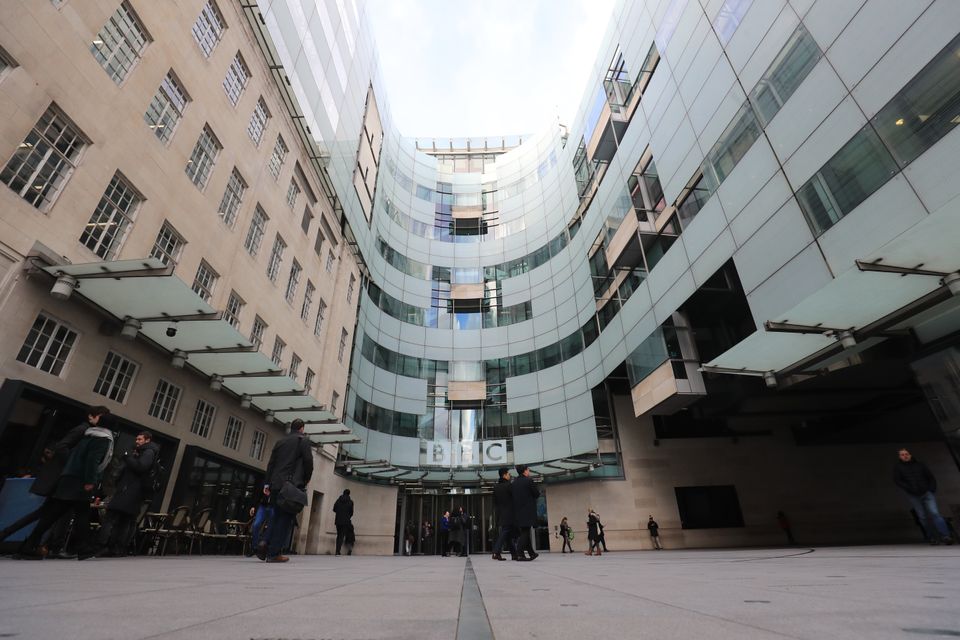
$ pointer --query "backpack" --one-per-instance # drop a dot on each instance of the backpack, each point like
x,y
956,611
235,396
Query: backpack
x,y
155,476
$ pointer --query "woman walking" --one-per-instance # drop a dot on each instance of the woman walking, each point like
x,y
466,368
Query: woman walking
x,y
567,534
593,532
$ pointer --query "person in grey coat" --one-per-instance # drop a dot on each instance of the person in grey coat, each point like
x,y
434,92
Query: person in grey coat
x,y
133,487
525,495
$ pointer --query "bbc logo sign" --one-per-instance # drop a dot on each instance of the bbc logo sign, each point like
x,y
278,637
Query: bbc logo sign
x,y
444,453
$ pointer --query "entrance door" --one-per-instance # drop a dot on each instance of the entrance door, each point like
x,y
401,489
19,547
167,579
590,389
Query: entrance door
x,y
418,507
313,535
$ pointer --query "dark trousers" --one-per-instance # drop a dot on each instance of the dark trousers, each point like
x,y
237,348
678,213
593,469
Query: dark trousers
x,y
51,511
524,543
116,531
342,531
278,534
506,537
566,543
443,541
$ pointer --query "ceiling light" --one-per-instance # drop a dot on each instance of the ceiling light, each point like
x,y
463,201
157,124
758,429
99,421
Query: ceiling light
x,y
97,42
216,382
952,280
846,338
26,145
179,359
899,122
244,401
64,286
130,328
770,379
268,416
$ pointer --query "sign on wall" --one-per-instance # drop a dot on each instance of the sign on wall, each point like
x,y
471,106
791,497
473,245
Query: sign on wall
x,y
445,453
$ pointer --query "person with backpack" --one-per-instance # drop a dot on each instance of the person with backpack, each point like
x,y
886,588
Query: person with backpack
x,y
343,508
139,478
54,459
81,476
291,463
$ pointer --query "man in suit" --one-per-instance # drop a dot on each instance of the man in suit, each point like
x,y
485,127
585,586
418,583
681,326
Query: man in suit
x,y
503,502
291,460
525,495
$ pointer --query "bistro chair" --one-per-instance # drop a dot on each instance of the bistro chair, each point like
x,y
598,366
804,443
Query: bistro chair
x,y
195,531
175,528
213,532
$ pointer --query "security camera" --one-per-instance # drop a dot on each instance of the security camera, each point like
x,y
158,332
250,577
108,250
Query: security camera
x,y
171,331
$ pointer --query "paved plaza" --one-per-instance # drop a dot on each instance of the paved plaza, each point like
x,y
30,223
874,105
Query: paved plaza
x,y
847,592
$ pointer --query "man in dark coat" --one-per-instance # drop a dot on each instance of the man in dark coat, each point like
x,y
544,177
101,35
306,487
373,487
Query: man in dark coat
x,y
503,503
343,507
54,459
133,487
75,488
920,485
291,460
525,495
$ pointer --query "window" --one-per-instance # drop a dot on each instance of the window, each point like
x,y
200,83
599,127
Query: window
x,y
236,79
925,110
120,43
277,157
203,418
256,333
231,437
203,157
112,218
321,312
350,286
278,347
329,266
791,66
234,307
47,345
308,380
307,301
208,29
859,168
258,444
732,145
333,402
115,377
165,399
293,281
709,507
276,258
204,281
232,197
294,365
694,198
343,345
306,220
318,243
258,121
293,191
258,226
6,61
168,246
43,162
165,110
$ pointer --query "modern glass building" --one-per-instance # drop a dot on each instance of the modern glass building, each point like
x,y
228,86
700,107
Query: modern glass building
x,y
728,288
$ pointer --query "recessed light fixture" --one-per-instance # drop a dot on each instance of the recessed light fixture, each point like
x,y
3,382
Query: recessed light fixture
x,y
899,122
98,42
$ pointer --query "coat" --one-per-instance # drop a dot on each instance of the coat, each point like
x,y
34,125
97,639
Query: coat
x,y
48,474
343,507
82,468
914,477
593,527
503,502
653,527
525,495
291,459
459,523
133,484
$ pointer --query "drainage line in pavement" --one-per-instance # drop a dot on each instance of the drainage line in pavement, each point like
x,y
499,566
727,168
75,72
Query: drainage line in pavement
x,y
472,623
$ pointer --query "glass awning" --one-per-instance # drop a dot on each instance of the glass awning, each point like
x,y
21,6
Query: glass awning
x,y
888,289
148,300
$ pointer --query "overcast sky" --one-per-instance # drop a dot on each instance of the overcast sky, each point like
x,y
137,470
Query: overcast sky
x,y
485,67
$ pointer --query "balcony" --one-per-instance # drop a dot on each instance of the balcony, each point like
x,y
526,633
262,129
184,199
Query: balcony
x,y
663,371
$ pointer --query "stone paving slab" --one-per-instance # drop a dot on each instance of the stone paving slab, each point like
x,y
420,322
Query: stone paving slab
x,y
832,593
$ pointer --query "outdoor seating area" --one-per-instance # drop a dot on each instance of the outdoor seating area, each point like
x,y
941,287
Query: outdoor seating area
x,y
182,532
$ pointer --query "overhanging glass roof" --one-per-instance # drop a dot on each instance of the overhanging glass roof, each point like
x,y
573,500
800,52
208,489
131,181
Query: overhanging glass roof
x,y
147,291
885,284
